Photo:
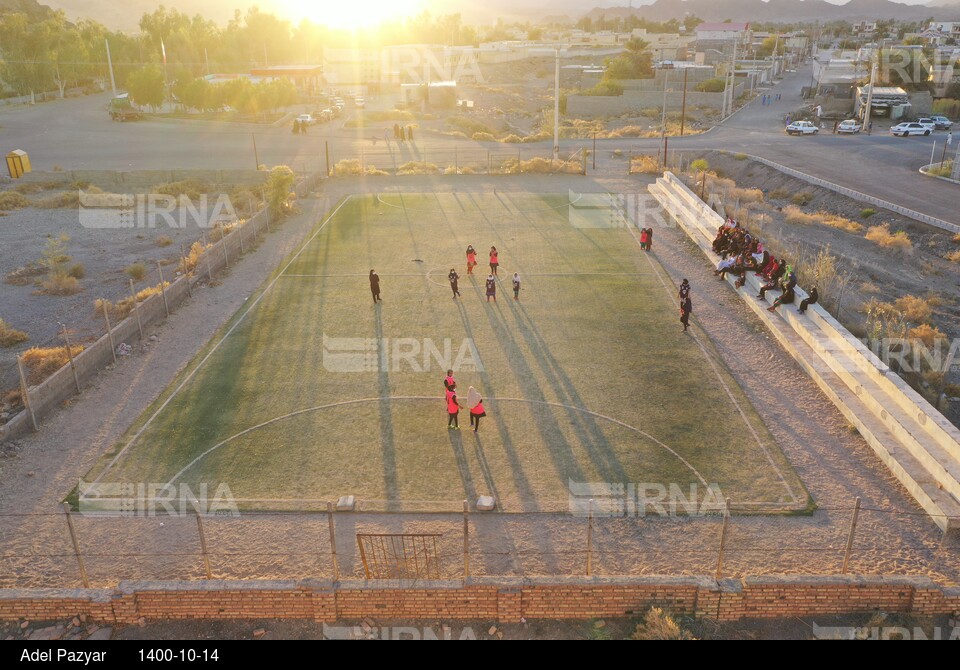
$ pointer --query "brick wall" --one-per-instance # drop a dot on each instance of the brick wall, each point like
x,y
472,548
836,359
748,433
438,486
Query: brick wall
x,y
502,599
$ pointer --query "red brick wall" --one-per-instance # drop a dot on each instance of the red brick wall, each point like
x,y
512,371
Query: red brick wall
x,y
506,599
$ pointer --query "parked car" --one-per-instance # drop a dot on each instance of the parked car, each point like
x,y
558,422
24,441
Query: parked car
x,y
912,128
927,122
851,126
307,119
359,102
943,123
802,128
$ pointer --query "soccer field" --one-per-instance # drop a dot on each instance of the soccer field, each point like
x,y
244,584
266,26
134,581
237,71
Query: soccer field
x,y
311,392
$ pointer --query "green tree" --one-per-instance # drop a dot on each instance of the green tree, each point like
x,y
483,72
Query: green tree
x,y
27,48
768,45
146,86
278,189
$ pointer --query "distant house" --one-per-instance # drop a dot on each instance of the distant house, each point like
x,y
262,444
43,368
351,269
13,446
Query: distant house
x,y
864,27
932,37
947,28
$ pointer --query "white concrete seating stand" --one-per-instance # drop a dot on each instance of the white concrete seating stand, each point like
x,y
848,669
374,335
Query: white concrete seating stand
x,y
917,443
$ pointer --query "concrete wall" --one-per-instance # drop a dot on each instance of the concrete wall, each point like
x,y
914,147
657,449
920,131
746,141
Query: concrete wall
x,y
587,106
487,598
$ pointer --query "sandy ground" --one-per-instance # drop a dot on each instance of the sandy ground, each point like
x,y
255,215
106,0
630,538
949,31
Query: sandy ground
x,y
834,462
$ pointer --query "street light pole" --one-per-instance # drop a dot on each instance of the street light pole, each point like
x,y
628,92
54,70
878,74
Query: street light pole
x,y
113,81
556,110
869,108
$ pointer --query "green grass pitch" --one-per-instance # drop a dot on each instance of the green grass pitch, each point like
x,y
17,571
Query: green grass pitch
x,y
311,392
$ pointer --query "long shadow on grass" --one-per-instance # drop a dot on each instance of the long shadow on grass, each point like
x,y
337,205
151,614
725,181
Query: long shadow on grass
x,y
387,437
463,466
586,427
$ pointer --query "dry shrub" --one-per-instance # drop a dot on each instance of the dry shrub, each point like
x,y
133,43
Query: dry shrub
x,y
65,200
645,165
136,271
954,256
11,337
796,216
927,334
483,137
218,232
43,362
116,310
747,195
60,284
543,166
658,625
77,271
28,188
512,139
914,309
163,242
956,238
881,235
801,199
192,188
780,194
25,275
151,291
542,136
348,167
372,171
417,167
13,200
196,252
869,287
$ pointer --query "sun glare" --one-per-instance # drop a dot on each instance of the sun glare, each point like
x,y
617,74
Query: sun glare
x,y
354,14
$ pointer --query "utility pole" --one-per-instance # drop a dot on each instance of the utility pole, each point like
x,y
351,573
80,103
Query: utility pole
x,y
955,174
683,105
113,81
663,117
556,111
869,108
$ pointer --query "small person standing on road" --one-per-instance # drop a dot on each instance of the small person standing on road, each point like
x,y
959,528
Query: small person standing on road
x,y
375,286
491,288
454,279
471,259
788,119
494,261
516,286
686,304
643,239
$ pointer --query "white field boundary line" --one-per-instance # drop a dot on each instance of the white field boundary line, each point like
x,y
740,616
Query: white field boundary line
x,y
726,388
212,351
469,193
857,195
435,399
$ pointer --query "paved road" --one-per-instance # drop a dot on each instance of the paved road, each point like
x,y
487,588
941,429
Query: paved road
x,y
78,133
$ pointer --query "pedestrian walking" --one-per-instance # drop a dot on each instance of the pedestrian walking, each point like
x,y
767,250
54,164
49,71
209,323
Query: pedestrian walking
x,y
296,127
516,286
836,124
471,259
396,131
477,411
491,288
649,239
453,408
686,304
494,260
410,133
788,119
403,137
454,280
449,382
643,239
375,286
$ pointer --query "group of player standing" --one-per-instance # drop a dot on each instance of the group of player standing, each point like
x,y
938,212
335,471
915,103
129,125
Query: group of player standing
x,y
474,403
491,283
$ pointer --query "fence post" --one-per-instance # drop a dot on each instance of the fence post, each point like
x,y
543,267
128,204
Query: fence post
x,y
362,162
186,270
24,389
333,542
466,540
850,536
136,309
240,228
489,162
206,257
590,537
73,367
163,291
723,537
223,246
106,317
76,547
456,160
203,542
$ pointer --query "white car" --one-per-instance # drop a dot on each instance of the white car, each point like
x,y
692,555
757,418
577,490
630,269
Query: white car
x,y
912,128
851,126
943,123
359,102
307,119
802,128
928,123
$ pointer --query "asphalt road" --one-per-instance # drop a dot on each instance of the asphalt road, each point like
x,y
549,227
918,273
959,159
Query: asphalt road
x,y
78,134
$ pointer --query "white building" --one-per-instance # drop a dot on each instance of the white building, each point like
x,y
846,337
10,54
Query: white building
x,y
723,32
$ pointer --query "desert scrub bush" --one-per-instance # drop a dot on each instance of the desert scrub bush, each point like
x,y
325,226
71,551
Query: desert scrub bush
x,y
881,235
867,212
10,200
914,309
136,271
162,242
10,336
956,238
191,188
28,188
544,166
25,275
77,271
658,625
117,311
740,157
928,335
802,198
512,139
470,126
954,256
746,195
373,171
417,167
65,200
41,362
780,194
60,285
645,165
348,167
795,215
483,137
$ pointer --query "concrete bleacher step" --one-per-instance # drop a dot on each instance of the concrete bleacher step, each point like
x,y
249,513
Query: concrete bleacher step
x,y
914,441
